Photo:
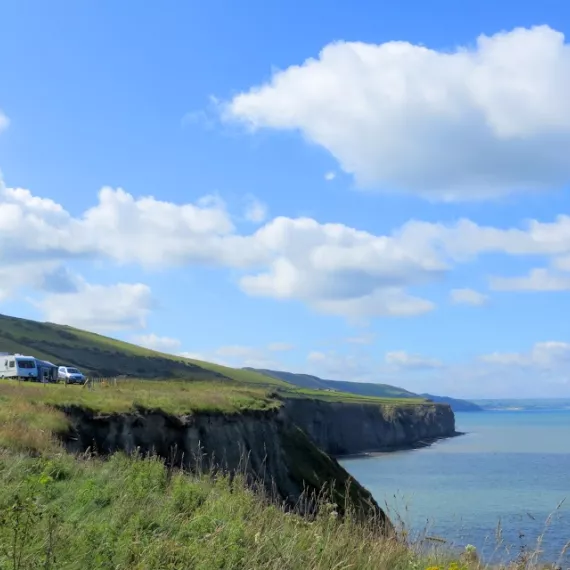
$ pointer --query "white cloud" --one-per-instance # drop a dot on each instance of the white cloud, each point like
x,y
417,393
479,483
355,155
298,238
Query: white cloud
x,y
339,270
100,307
46,277
360,339
562,263
467,297
475,122
333,268
316,356
240,356
403,359
255,211
237,351
329,176
159,343
537,280
4,121
280,347
383,302
333,365
543,355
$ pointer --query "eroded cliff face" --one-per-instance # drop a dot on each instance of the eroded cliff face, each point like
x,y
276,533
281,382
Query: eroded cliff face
x,y
289,450
345,429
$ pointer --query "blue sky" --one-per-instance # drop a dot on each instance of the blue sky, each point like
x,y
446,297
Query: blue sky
x,y
386,211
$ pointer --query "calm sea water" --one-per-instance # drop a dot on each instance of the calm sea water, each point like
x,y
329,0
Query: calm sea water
x,y
512,468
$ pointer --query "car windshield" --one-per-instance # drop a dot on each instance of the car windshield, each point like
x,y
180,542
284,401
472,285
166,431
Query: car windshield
x,y
27,363
73,371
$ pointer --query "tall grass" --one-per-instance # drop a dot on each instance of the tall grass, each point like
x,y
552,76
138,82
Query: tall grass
x,y
132,513
175,397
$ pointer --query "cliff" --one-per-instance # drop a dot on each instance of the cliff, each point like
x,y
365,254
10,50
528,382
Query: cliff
x,y
346,429
289,450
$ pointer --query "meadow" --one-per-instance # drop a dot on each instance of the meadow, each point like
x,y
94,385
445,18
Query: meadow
x,y
58,511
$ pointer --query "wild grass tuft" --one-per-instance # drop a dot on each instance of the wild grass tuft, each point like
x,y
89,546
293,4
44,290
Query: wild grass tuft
x,y
132,513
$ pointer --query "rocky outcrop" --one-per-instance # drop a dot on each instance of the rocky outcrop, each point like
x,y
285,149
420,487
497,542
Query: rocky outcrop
x,y
346,429
288,450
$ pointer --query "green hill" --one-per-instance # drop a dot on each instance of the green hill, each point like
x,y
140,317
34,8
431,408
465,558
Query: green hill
x,y
358,388
103,356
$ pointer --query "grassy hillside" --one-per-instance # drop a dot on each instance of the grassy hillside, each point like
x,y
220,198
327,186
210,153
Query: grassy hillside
x,y
127,513
104,356
359,388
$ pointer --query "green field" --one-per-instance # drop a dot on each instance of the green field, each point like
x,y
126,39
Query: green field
x,y
104,356
351,398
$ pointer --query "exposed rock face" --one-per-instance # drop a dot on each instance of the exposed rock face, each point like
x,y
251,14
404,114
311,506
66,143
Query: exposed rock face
x,y
287,449
344,429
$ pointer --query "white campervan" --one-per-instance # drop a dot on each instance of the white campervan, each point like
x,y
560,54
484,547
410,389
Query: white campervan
x,y
18,366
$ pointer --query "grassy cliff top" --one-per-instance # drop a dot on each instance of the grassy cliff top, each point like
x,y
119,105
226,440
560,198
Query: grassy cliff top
x,y
30,413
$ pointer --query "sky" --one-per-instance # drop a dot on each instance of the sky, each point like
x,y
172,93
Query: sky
x,y
364,191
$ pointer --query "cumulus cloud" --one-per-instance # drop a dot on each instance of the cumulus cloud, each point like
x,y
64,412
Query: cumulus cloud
x,y
360,339
336,365
329,176
241,356
539,279
542,371
255,211
470,123
46,277
159,343
339,270
100,307
403,359
333,268
280,347
4,121
467,297
544,355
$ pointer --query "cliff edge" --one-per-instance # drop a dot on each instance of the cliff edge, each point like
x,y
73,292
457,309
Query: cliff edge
x,y
290,450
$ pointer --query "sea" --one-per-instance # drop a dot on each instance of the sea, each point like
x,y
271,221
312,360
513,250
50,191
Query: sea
x,y
503,487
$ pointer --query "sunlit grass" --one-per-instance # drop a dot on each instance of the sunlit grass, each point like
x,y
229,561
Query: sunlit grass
x,y
131,513
31,414
173,397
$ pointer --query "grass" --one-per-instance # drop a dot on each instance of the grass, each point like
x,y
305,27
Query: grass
x,y
106,356
30,413
131,513
353,398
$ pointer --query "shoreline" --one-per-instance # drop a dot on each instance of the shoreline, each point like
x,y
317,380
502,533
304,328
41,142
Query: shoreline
x,y
420,444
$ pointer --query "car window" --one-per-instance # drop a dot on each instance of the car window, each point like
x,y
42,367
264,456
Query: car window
x,y
73,371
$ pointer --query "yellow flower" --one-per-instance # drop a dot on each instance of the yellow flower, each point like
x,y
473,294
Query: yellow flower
x,y
433,568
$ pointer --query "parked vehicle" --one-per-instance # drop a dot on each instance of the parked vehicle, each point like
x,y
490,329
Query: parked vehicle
x,y
18,366
47,372
70,375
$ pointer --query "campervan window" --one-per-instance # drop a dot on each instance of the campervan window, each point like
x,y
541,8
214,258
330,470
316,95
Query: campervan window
x,y
12,364
26,363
